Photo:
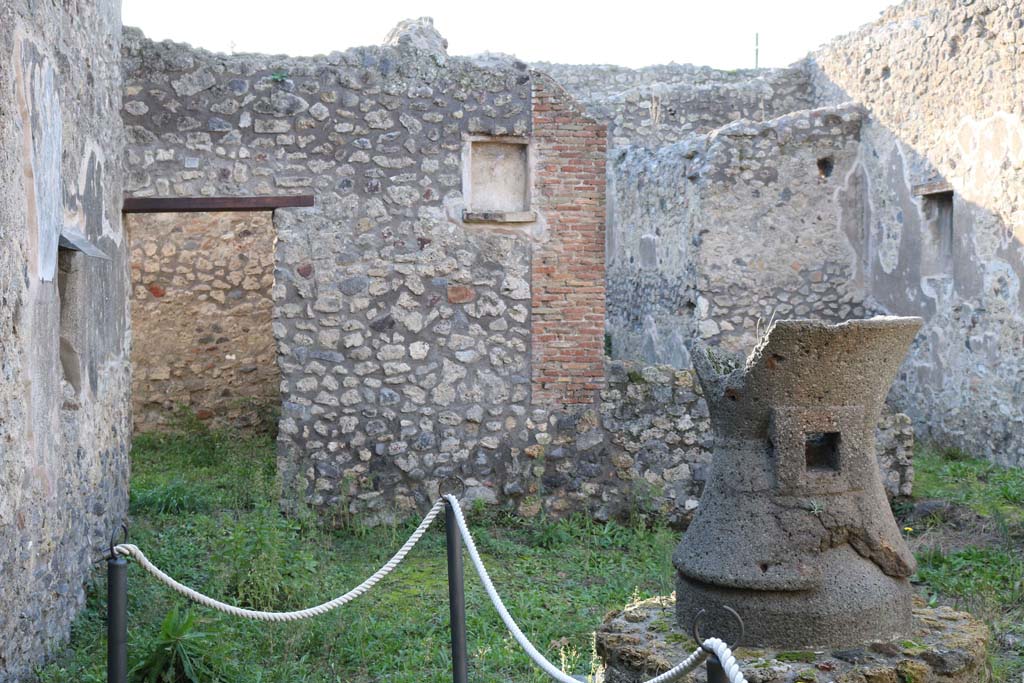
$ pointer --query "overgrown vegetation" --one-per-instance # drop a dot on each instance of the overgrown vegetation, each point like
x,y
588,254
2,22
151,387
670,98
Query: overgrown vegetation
x,y
204,508
967,530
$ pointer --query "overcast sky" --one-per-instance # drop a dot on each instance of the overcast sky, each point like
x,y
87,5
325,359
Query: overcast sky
x,y
632,33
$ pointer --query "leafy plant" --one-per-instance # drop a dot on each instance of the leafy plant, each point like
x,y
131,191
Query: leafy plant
x,y
549,534
267,570
180,653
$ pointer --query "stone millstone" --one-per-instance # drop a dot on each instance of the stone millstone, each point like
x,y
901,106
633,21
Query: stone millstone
x,y
942,646
794,531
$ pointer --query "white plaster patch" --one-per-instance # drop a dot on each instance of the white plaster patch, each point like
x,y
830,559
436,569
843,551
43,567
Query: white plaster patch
x,y
991,148
41,129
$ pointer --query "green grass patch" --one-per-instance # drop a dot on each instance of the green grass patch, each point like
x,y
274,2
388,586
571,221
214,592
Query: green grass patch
x,y
986,578
974,572
204,508
985,488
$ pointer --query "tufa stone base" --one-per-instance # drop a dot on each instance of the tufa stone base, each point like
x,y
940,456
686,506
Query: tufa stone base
x,y
946,646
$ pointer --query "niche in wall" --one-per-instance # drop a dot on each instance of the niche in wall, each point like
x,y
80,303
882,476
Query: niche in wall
x,y
496,180
938,211
937,207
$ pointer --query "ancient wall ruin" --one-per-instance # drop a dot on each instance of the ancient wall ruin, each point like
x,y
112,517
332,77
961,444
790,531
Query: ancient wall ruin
x,y
201,317
64,397
716,236
662,104
723,217
441,311
447,287
881,181
940,81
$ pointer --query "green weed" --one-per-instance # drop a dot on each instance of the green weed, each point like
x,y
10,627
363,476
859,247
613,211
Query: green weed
x,y
270,565
179,654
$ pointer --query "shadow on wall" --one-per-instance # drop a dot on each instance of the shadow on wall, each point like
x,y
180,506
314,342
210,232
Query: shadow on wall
x,y
958,264
898,194
941,229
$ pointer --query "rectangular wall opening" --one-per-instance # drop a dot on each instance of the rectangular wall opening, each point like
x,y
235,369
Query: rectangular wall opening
x,y
938,211
497,184
202,316
821,451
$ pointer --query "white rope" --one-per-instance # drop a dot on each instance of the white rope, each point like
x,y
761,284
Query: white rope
x,y
719,648
133,551
711,645
726,659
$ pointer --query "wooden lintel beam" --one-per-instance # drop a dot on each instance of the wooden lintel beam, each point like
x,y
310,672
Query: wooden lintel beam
x,y
186,204
940,187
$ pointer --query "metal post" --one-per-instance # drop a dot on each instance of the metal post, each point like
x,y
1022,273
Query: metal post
x,y
117,619
456,596
716,674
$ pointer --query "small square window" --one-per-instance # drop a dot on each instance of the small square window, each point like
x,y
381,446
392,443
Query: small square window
x,y
821,451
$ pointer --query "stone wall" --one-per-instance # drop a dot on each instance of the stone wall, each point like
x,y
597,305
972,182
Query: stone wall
x,y
410,343
715,236
659,105
941,83
201,317
64,401
646,448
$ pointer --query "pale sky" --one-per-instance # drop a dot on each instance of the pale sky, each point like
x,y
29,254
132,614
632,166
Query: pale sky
x,y
633,33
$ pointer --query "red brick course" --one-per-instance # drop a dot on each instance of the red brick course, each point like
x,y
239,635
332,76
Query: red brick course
x,y
567,280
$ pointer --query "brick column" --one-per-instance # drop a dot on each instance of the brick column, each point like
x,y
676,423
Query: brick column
x,y
568,305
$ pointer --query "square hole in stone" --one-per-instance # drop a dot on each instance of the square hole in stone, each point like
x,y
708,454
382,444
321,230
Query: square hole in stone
x,y
821,451
499,177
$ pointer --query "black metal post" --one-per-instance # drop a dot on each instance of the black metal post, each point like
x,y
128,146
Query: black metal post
x,y
456,596
117,620
716,674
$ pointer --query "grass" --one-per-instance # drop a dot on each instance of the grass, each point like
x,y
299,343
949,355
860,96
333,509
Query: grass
x,y
976,561
989,490
204,508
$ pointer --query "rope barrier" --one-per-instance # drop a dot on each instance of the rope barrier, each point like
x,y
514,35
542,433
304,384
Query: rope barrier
x,y
197,597
719,648
711,646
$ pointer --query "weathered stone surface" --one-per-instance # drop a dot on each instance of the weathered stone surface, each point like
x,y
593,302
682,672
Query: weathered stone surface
x,y
943,646
422,316
700,279
65,425
793,530
418,33
957,261
662,104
